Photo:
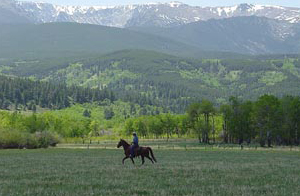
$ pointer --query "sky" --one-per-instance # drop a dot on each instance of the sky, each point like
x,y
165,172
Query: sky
x,y
203,3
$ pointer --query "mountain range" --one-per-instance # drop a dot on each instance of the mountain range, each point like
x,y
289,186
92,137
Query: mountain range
x,y
248,35
153,14
245,34
166,54
52,40
174,28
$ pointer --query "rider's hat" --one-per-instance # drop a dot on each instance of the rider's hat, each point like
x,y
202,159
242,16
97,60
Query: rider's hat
x,y
134,133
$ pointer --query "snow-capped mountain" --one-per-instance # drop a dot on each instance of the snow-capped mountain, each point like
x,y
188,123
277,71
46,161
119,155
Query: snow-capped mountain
x,y
152,14
99,15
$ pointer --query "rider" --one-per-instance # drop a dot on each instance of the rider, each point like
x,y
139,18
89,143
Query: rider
x,y
135,144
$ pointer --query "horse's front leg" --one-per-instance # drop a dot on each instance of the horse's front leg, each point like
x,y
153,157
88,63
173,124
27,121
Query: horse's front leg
x,y
143,159
132,160
124,159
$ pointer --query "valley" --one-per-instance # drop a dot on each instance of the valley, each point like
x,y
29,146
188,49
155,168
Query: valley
x,y
105,66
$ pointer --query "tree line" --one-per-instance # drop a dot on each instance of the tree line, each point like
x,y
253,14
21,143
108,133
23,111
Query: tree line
x,y
268,121
26,94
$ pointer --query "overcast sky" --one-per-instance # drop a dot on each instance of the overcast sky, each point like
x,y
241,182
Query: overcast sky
x,y
290,3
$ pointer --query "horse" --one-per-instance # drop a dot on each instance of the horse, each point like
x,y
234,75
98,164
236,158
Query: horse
x,y
140,151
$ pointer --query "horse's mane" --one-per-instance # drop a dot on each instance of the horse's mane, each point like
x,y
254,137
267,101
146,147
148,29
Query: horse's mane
x,y
125,142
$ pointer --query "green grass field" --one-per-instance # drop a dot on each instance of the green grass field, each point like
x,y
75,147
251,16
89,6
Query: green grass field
x,y
72,172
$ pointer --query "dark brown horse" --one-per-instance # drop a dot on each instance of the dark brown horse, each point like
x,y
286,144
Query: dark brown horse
x,y
140,151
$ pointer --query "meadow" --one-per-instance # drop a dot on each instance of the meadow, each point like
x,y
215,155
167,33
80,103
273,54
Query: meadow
x,y
72,172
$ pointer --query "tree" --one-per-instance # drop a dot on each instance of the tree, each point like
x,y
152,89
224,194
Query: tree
x,y
201,125
226,111
246,121
95,128
184,125
132,109
143,111
296,118
108,113
155,126
290,115
267,118
140,127
237,121
207,110
87,113
128,128
168,124
194,115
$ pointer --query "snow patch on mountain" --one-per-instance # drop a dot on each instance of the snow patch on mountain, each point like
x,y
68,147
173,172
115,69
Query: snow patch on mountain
x,y
175,4
151,14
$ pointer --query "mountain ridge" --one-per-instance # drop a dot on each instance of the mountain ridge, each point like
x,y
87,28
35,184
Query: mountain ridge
x,y
174,28
224,38
151,14
244,34
70,39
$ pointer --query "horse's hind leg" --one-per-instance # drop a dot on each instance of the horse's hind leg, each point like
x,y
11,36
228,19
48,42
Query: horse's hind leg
x,y
150,159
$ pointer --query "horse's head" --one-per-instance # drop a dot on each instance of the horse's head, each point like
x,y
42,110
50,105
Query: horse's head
x,y
120,143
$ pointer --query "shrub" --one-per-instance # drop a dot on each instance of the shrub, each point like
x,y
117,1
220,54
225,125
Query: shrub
x,y
17,139
13,139
46,139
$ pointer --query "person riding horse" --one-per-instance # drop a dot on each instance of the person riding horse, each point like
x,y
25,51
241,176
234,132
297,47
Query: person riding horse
x,y
143,152
135,144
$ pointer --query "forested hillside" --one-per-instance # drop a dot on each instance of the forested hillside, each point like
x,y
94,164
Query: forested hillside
x,y
26,94
151,78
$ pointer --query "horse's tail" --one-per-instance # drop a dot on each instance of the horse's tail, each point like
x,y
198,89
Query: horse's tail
x,y
152,155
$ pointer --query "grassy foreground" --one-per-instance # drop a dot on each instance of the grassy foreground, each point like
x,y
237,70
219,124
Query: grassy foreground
x,y
100,172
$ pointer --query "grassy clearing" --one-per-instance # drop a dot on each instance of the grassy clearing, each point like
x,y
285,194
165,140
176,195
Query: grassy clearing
x,y
100,172
171,144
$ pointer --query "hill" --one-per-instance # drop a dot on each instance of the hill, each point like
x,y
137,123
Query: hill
x,y
72,39
250,35
226,38
151,78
